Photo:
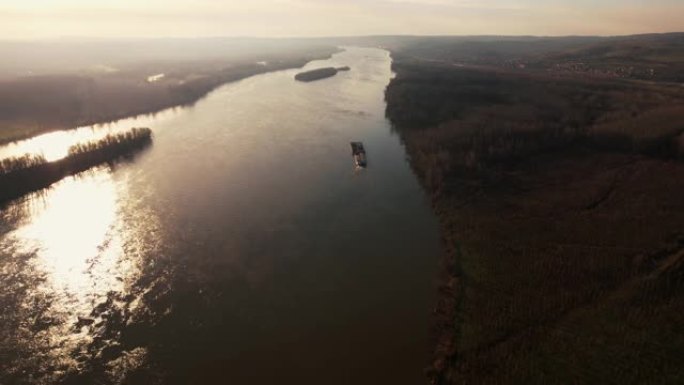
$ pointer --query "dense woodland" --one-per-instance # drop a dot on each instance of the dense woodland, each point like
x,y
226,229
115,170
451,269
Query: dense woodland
x,y
560,203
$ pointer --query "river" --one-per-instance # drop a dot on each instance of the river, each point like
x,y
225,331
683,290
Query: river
x,y
242,247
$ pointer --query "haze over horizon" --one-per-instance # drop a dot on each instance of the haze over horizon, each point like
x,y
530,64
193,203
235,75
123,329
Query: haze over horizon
x,y
31,19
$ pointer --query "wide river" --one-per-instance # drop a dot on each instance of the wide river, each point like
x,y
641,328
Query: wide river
x,y
241,248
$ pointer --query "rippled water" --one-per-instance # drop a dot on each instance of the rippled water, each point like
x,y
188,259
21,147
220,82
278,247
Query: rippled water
x,y
242,247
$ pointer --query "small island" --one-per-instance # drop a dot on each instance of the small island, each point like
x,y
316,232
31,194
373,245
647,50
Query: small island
x,y
22,175
320,73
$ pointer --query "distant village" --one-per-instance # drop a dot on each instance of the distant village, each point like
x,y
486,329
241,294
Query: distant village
x,y
586,69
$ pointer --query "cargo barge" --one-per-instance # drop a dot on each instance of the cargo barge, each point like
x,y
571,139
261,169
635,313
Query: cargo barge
x,y
359,154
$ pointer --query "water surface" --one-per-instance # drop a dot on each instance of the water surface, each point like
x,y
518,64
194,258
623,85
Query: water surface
x,y
242,247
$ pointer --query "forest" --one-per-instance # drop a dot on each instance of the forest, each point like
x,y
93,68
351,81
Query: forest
x,y
560,203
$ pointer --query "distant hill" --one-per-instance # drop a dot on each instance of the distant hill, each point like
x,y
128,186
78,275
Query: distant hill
x,y
656,57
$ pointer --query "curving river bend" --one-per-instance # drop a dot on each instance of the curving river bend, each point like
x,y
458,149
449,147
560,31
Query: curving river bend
x,y
241,248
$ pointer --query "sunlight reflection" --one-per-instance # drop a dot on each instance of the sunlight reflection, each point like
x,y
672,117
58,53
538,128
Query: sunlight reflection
x,y
70,232
58,148
80,264
77,251
53,146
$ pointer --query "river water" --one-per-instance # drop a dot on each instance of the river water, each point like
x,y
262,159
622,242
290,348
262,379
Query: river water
x,y
242,247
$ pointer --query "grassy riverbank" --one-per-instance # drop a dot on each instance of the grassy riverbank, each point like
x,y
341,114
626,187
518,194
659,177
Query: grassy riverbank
x,y
31,105
19,176
560,203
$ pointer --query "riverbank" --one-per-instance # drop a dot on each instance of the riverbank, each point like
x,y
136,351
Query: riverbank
x,y
36,105
32,173
559,201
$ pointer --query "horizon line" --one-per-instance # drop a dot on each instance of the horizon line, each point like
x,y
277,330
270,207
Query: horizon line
x,y
295,37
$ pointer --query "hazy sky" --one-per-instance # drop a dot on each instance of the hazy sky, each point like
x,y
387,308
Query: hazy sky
x,y
182,18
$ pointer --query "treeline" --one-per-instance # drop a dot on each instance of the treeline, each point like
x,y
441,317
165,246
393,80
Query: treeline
x,y
21,175
17,163
466,120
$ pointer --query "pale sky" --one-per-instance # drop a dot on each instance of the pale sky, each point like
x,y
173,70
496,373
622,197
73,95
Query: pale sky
x,y
277,18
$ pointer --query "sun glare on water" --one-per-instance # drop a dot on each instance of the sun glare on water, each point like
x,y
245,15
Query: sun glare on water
x,y
74,236
71,233
57,148
54,146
